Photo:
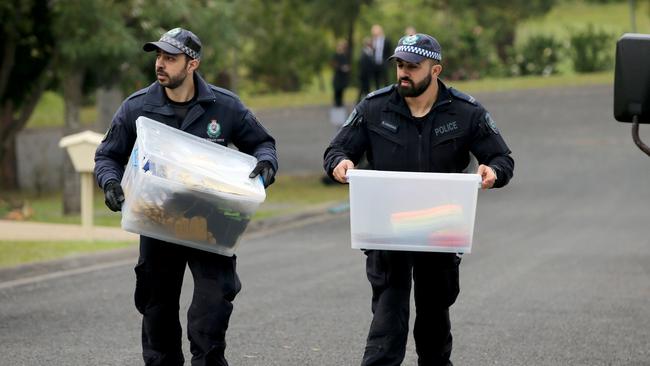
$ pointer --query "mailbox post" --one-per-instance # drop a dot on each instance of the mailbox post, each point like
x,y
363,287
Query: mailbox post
x,y
81,148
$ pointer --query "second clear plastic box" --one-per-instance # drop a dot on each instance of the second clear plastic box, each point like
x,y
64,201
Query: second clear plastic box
x,y
186,190
427,212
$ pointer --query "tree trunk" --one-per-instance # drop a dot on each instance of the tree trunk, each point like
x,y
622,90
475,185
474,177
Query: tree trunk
x,y
12,121
72,95
8,166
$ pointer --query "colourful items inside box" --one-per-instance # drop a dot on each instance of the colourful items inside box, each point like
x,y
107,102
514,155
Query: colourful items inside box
x,y
440,225
427,220
449,238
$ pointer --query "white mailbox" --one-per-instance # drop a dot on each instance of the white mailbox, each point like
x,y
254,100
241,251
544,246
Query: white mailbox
x,y
81,148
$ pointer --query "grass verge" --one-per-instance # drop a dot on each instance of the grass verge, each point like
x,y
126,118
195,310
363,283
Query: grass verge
x,y
566,17
287,195
13,253
533,82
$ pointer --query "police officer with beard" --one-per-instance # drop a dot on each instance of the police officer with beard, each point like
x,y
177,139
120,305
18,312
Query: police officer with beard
x,y
418,125
182,99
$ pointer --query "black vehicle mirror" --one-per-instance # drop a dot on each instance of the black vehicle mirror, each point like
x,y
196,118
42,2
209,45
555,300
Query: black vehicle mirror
x,y
632,83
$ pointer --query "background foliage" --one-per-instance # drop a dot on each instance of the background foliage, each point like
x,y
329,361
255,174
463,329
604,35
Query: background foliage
x,y
591,49
254,53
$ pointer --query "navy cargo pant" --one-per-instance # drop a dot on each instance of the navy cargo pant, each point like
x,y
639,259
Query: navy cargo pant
x,y
159,278
435,276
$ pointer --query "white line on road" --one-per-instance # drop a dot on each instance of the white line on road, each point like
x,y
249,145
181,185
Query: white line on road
x,y
70,272
97,267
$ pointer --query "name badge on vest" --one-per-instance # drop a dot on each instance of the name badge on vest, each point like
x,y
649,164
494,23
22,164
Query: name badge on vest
x,y
446,128
389,126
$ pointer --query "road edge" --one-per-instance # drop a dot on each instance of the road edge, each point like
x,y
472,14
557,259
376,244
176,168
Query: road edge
x,y
21,274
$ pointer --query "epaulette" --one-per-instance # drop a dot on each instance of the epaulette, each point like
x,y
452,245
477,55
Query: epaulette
x,y
382,91
139,92
462,96
224,91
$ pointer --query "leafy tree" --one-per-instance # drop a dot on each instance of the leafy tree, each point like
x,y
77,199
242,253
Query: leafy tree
x,y
26,63
279,47
213,21
339,17
467,47
101,45
91,39
498,17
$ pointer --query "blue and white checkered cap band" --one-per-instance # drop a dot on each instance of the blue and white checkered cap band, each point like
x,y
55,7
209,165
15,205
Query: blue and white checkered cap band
x,y
188,51
419,51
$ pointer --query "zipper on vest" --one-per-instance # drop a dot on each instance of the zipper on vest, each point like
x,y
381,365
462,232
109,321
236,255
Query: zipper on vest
x,y
420,147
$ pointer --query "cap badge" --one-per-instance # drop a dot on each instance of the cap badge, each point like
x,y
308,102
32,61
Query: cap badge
x,y
410,40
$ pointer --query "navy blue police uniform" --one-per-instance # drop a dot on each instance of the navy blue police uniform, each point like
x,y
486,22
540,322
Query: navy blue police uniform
x,y
219,116
382,127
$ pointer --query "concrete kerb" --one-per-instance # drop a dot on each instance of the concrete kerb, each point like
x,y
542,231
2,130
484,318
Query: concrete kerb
x,y
23,273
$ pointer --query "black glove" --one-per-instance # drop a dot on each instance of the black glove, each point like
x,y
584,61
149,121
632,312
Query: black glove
x,y
265,170
114,195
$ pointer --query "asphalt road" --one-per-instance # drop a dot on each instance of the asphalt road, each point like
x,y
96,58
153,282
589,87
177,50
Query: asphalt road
x,y
559,274
301,134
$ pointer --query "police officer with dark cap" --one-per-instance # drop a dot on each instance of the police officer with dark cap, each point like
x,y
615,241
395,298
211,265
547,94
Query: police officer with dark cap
x,y
417,125
181,98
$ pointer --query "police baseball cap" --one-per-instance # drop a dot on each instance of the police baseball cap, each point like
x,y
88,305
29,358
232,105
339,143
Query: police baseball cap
x,y
416,48
177,41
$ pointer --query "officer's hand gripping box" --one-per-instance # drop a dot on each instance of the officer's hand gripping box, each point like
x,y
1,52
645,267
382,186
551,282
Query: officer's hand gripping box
x,y
424,212
185,190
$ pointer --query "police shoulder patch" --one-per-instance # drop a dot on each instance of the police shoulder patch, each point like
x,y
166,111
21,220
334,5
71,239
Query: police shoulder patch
x,y
353,119
108,133
382,91
490,122
462,96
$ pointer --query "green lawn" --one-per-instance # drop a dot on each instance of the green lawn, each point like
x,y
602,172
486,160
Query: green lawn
x,y
572,15
21,252
533,82
286,195
296,193
49,112
49,208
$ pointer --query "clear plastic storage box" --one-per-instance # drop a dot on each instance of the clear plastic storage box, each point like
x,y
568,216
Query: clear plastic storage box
x,y
185,190
425,212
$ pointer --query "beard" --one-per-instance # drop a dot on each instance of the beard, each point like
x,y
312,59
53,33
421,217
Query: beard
x,y
413,90
172,82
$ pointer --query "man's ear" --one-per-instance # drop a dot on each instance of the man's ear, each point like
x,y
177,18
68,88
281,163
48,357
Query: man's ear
x,y
436,70
193,64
